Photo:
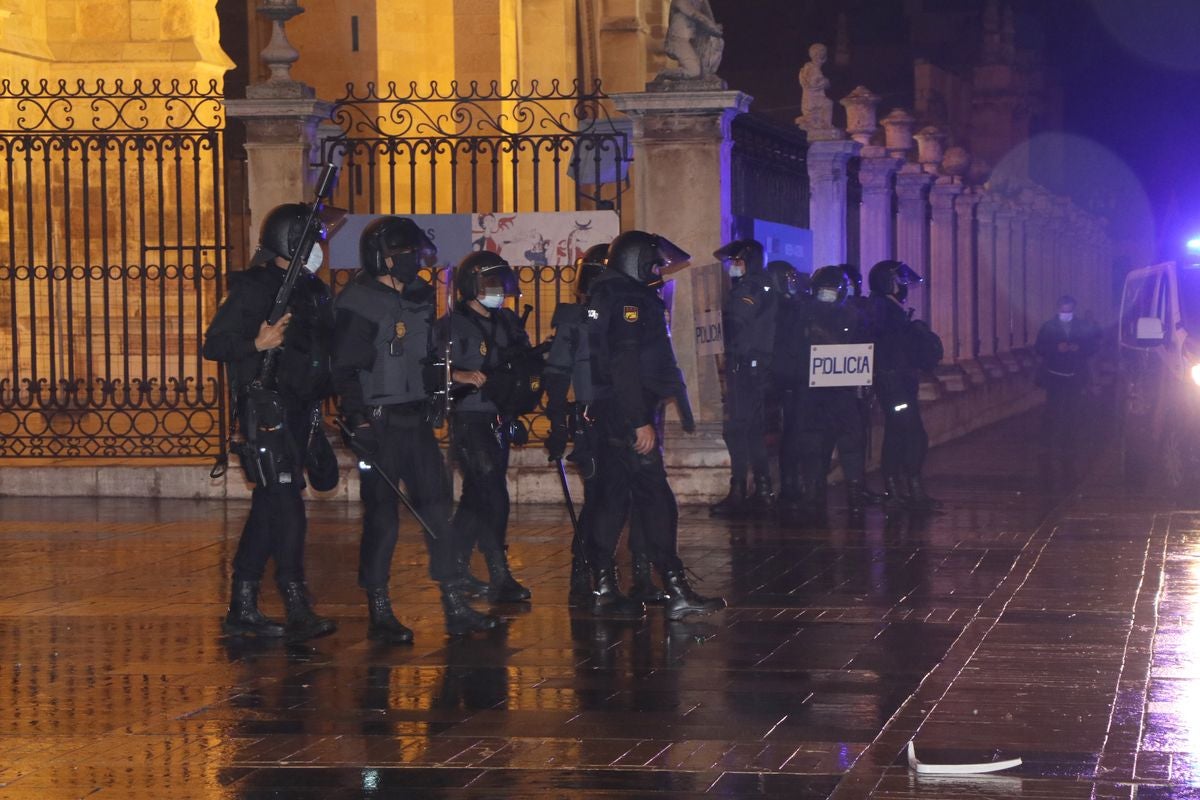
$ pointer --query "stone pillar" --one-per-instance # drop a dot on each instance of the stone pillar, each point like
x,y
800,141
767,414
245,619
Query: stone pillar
x,y
282,118
827,198
912,231
1020,278
877,237
942,284
1004,269
682,150
985,215
966,342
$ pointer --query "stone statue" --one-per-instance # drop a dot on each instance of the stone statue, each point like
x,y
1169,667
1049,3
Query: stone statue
x,y
695,40
816,108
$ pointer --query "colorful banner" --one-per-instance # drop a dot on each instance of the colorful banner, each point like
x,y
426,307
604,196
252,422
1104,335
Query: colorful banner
x,y
543,238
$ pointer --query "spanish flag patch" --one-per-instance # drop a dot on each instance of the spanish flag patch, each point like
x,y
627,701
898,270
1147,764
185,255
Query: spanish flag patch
x,y
631,313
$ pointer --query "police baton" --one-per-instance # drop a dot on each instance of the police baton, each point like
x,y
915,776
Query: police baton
x,y
391,484
566,489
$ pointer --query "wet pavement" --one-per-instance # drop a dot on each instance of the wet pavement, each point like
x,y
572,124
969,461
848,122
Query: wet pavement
x,y
1062,627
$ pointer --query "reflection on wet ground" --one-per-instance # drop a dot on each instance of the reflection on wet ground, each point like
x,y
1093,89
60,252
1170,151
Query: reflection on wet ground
x,y
1022,620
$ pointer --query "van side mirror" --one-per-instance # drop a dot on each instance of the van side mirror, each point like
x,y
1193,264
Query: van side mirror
x,y
1150,329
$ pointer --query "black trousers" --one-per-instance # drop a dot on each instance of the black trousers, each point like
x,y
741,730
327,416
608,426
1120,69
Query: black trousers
x,y
745,422
408,453
905,442
1062,415
626,481
586,458
276,526
481,450
832,418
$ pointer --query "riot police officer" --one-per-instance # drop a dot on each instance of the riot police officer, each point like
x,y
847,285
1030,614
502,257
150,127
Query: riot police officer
x,y
787,372
903,347
484,336
568,367
239,336
749,328
384,348
634,372
832,417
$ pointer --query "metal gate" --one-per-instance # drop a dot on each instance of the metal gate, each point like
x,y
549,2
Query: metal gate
x,y
112,205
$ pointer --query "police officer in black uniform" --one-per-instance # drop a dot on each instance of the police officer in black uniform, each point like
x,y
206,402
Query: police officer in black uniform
x,y
568,367
902,348
787,372
239,336
749,327
832,415
634,372
384,349
483,333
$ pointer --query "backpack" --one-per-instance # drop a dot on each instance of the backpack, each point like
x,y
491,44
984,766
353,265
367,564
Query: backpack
x,y
925,347
514,381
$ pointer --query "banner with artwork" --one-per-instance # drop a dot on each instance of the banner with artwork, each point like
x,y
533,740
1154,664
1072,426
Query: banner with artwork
x,y
543,238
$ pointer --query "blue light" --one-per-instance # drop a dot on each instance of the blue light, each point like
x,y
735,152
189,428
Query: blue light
x,y
1193,245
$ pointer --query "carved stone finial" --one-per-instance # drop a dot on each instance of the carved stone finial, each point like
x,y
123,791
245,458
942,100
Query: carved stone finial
x,y
860,108
695,40
956,162
930,145
279,54
898,132
816,117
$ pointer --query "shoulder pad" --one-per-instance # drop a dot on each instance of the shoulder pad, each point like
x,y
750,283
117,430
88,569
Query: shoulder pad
x,y
567,314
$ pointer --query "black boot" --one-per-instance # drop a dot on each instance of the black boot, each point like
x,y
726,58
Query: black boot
x,y
244,618
917,496
302,622
461,619
790,493
503,587
813,499
607,600
682,601
580,593
734,503
473,586
895,493
763,499
383,623
643,589
856,496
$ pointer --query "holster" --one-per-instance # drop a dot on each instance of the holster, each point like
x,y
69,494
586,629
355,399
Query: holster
x,y
266,450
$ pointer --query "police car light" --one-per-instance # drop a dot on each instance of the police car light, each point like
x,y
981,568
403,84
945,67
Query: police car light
x,y
1193,244
1195,373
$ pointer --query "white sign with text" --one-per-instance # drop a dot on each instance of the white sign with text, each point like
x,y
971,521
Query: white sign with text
x,y
710,339
841,365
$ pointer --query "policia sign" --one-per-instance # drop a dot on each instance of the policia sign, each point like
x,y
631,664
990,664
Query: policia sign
x,y
841,364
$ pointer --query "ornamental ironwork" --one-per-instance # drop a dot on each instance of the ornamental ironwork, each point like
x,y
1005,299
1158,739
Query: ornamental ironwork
x,y
111,205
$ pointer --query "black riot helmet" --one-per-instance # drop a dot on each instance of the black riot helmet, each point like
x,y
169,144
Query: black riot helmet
x,y
400,239
588,266
483,270
281,232
748,251
642,256
784,278
855,276
892,278
830,285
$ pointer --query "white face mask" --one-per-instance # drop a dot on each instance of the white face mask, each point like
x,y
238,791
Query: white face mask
x,y
1066,316
827,295
491,300
736,271
316,258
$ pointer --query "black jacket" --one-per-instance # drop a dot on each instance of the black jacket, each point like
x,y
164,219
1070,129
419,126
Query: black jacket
x,y
302,370
1066,347
750,318
479,344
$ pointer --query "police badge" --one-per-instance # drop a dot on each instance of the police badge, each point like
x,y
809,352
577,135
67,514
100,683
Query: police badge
x,y
401,330
631,313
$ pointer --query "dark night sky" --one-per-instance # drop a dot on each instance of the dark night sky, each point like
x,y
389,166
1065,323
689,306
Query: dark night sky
x,y
1147,113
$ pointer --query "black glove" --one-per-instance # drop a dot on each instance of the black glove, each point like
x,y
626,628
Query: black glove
x,y
556,442
362,439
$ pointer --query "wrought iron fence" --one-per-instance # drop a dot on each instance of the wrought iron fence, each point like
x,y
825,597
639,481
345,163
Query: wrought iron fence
x,y
111,201
769,171
473,149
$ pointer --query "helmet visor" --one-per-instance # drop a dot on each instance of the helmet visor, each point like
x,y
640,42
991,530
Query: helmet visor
x,y
425,249
499,276
906,275
668,254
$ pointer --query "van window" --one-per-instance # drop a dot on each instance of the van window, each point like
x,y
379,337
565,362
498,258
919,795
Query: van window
x,y
1189,299
1141,300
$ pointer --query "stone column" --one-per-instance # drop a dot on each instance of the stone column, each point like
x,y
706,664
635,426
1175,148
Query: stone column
x,y
827,198
966,341
985,215
282,118
912,230
682,150
877,174
1020,278
1004,299
944,275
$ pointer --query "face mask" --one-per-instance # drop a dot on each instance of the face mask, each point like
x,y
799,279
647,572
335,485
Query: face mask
x,y
827,295
404,267
736,271
491,300
1066,316
902,292
316,257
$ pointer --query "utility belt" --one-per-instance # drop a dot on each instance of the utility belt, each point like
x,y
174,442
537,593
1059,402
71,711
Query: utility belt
x,y
507,430
265,446
406,414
